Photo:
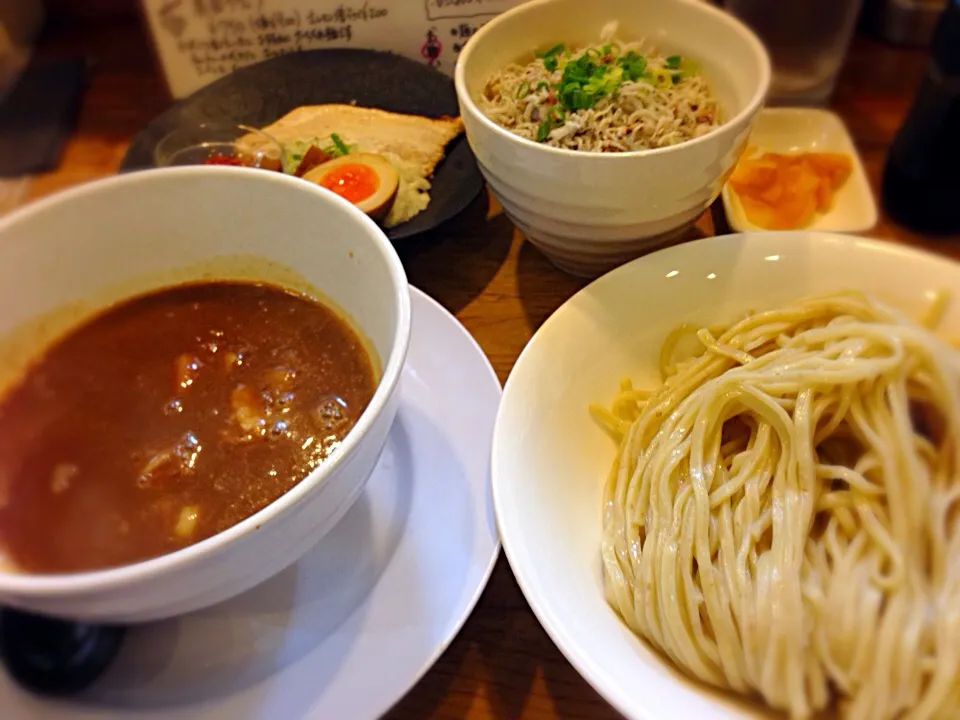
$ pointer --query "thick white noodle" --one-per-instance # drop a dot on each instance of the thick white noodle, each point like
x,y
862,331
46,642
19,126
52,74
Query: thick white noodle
x,y
779,522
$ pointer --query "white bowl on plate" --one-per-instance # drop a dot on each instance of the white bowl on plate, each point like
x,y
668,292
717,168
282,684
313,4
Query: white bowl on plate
x,y
796,130
589,212
550,459
63,257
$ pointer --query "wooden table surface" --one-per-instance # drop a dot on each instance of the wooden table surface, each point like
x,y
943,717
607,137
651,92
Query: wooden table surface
x,y
502,664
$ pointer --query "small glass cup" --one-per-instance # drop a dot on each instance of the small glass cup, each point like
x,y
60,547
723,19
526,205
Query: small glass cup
x,y
220,144
807,40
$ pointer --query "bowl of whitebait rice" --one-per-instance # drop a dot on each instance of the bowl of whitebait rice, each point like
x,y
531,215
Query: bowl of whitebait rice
x,y
605,129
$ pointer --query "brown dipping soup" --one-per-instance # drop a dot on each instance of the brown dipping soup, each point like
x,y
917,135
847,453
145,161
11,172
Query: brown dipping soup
x,y
169,418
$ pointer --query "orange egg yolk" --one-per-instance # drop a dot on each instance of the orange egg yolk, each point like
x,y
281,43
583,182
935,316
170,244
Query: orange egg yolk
x,y
353,181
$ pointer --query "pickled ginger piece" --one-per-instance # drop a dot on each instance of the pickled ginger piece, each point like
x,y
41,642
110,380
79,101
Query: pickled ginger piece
x,y
781,191
836,166
760,174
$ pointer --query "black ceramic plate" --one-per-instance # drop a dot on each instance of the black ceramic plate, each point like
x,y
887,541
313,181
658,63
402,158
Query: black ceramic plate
x,y
259,94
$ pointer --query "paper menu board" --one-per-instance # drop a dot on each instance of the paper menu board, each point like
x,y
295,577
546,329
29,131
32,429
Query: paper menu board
x,y
198,41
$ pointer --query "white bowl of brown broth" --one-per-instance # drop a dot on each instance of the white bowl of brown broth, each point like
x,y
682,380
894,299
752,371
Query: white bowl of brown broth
x,y
566,104
200,368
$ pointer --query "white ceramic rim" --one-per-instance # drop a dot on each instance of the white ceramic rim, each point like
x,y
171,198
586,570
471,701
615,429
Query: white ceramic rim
x,y
65,584
471,604
532,6
588,667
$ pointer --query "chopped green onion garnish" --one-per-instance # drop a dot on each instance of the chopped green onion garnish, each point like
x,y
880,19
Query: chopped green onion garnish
x,y
585,82
660,77
688,67
339,144
550,59
542,84
673,62
554,119
555,50
523,90
634,65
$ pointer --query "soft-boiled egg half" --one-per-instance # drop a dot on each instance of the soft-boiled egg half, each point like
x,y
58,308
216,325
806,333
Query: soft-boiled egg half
x,y
368,181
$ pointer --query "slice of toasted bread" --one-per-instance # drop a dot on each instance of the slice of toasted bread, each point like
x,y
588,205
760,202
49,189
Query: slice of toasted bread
x,y
417,140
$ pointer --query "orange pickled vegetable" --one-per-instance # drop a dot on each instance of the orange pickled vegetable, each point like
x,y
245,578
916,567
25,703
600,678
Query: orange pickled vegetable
x,y
785,192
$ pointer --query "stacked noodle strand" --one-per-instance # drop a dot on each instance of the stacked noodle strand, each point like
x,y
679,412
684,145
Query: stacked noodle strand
x,y
783,516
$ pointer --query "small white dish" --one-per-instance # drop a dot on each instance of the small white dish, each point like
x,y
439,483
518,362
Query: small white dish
x,y
550,458
352,626
796,130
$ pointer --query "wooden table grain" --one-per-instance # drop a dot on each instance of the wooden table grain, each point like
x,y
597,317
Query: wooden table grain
x,y
502,664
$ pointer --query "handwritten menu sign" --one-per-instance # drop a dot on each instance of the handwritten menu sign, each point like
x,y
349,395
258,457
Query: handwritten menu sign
x,y
201,40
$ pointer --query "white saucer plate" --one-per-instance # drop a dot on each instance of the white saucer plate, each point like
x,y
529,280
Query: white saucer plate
x,y
351,627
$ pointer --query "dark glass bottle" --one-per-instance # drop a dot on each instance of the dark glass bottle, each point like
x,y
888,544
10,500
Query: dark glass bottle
x,y
921,181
